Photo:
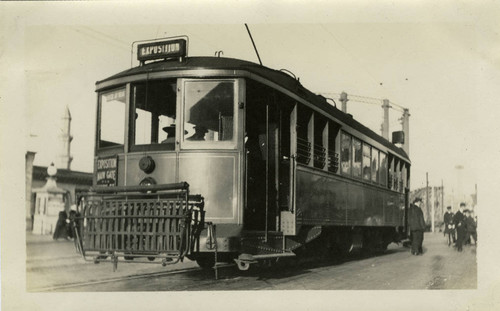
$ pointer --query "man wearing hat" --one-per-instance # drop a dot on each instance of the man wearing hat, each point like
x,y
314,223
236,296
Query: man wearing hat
x,y
199,133
170,140
449,227
470,228
417,226
459,221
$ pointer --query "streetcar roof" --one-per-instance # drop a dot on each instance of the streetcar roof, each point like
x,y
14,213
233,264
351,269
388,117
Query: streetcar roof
x,y
276,76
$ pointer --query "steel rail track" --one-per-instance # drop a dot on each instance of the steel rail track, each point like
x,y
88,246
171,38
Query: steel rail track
x,y
121,278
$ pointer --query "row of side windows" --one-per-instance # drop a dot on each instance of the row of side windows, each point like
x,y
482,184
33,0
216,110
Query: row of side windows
x,y
316,136
362,161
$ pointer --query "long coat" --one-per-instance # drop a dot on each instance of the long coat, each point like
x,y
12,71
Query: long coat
x,y
470,224
416,218
448,221
459,220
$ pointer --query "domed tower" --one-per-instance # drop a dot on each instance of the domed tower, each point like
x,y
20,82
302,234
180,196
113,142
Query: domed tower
x,y
64,157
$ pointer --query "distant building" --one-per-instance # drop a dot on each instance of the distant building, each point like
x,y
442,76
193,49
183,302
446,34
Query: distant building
x,y
71,182
55,193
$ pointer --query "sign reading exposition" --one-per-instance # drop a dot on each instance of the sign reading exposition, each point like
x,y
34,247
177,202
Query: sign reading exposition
x,y
161,49
107,171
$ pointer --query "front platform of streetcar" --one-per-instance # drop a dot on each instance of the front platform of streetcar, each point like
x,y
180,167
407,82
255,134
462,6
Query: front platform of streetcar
x,y
168,156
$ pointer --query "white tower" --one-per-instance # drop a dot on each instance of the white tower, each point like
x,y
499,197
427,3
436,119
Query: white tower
x,y
64,157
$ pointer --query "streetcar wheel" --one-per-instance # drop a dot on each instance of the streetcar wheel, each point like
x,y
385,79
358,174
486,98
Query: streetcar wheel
x,y
242,265
205,262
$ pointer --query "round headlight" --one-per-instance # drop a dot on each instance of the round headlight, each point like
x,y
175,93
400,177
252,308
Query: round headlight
x,y
147,164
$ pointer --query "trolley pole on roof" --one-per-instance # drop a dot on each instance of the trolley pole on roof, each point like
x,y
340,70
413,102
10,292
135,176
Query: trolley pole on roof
x,y
253,43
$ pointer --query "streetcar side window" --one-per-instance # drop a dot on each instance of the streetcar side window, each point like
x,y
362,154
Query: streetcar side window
x,y
320,140
403,177
345,153
209,111
333,155
375,166
356,157
153,113
398,169
395,174
305,123
390,183
112,118
366,162
383,169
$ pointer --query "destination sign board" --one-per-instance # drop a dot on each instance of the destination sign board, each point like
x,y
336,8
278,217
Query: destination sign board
x,y
161,49
107,171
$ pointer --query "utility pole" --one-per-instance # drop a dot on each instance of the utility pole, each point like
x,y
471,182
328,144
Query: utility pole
x,y
406,130
475,203
343,99
442,197
385,125
427,200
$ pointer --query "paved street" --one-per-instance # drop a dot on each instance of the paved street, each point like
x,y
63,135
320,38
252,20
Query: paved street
x,y
52,264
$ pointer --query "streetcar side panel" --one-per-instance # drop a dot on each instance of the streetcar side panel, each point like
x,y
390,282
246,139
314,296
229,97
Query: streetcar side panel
x,y
329,200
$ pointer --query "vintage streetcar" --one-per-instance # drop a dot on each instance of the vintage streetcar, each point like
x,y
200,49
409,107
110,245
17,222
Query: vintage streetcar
x,y
223,160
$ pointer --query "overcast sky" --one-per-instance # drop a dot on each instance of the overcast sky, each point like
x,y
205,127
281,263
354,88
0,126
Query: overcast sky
x,y
439,61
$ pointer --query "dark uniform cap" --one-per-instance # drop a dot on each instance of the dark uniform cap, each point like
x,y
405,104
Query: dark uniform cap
x,y
417,200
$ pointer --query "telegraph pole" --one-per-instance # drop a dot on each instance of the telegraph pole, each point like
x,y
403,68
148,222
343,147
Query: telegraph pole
x,y
406,130
427,200
344,100
385,125
442,198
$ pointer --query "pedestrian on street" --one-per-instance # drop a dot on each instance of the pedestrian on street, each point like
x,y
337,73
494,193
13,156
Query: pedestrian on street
x,y
449,226
61,230
459,221
417,227
470,228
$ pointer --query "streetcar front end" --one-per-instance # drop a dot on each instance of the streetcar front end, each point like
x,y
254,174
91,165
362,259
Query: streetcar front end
x,y
168,163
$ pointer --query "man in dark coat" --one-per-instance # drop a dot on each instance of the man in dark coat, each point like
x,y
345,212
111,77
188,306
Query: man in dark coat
x,y
470,228
449,227
417,226
459,221
61,230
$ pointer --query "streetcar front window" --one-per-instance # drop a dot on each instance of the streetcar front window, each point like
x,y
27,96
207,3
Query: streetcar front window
x,y
153,115
209,112
111,118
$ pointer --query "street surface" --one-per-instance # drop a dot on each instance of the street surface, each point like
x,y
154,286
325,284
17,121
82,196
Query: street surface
x,y
54,266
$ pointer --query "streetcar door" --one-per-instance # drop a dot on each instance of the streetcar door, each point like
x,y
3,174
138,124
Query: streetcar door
x,y
268,161
288,217
261,151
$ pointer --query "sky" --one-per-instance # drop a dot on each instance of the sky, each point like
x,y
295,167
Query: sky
x,y
430,58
